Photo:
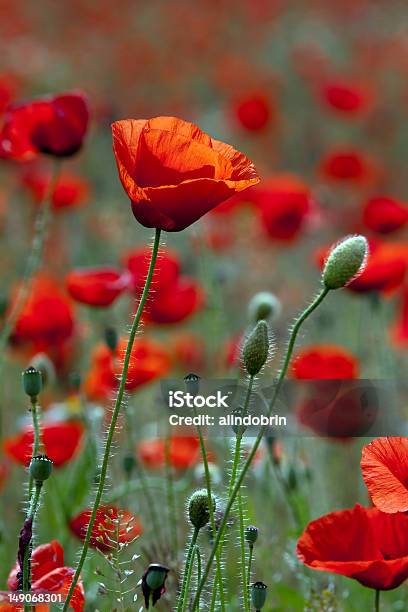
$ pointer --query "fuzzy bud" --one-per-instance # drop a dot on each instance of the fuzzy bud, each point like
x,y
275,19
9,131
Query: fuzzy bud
x,y
32,382
345,261
258,595
256,348
264,305
251,534
40,468
198,509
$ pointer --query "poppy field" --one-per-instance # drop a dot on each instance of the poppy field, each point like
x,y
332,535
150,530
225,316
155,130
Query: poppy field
x,y
204,306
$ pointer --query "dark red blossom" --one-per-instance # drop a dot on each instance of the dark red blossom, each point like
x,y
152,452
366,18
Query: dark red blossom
x,y
48,573
99,286
346,165
165,274
361,543
183,451
112,526
54,125
254,112
324,361
175,305
61,441
385,215
347,97
70,191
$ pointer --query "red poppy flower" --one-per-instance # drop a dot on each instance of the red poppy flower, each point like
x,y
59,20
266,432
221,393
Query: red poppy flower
x,y
61,442
165,273
346,165
148,362
284,203
324,361
385,269
97,286
254,112
70,189
385,215
184,452
55,125
176,304
48,573
399,330
384,465
189,352
47,318
174,173
361,543
346,97
105,532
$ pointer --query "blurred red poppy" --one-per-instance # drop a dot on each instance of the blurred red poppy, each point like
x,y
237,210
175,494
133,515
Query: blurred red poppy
x,y
184,452
284,202
54,125
175,305
384,465
189,352
254,112
112,526
174,173
70,191
99,286
385,269
165,273
47,318
346,165
48,573
8,87
61,440
361,543
385,215
148,362
324,361
345,96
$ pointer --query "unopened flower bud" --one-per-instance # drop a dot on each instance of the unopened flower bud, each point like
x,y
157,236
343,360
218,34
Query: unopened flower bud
x,y
192,382
198,508
256,348
40,468
153,583
111,338
345,261
264,305
258,595
32,382
251,534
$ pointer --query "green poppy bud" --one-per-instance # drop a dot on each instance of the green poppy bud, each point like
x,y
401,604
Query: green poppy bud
x,y
156,575
251,534
256,348
198,508
258,595
32,382
264,305
40,468
345,261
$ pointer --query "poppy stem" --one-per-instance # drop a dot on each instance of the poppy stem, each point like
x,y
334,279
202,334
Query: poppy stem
x,y
199,569
295,330
249,572
244,576
25,540
377,601
187,572
37,437
115,414
171,502
34,260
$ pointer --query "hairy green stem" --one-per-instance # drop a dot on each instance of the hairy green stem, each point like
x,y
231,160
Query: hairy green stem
x,y
249,572
305,314
34,501
199,570
187,572
115,414
243,553
37,436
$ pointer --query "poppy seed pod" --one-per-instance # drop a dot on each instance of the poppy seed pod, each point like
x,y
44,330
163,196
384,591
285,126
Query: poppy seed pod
x,y
32,382
264,305
345,261
40,468
192,382
258,595
198,509
256,348
153,583
251,534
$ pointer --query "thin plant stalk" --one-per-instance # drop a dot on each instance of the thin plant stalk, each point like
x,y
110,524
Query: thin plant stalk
x,y
37,436
34,502
171,501
115,414
34,260
377,601
295,330
187,572
249,572
244,579
199,569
